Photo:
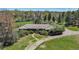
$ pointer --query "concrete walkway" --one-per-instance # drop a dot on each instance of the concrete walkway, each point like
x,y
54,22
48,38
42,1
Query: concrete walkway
x,y
36,44
34,37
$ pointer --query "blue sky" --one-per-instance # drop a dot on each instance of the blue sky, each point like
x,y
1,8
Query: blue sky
x,y
41,9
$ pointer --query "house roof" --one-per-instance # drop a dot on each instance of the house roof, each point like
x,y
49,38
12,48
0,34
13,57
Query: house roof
x,y
36,26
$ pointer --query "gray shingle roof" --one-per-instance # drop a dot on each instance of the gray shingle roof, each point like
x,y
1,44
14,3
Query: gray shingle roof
x,y
35,26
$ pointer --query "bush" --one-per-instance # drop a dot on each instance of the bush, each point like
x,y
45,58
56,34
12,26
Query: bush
x,y
56,29
23,33
31,32
59,28
43,32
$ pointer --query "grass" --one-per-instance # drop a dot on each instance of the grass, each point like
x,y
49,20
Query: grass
x,y
22,43
64,43
18,24
73,28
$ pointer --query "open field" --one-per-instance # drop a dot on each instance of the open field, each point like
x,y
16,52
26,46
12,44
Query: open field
x,y
64,43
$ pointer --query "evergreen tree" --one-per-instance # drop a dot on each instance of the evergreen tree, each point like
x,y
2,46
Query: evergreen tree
x,y
66,19
53,19
62,14
45,18
49,16
59,18
77,13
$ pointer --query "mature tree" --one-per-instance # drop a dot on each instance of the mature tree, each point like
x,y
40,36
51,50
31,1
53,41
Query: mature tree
x,y
7,31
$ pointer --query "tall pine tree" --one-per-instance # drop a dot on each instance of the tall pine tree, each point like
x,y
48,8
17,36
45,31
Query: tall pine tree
x,y
53,19
49,16
59,18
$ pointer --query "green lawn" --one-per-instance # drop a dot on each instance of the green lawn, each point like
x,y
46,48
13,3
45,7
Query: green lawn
x,y
18,24
73,28
22,43
64,43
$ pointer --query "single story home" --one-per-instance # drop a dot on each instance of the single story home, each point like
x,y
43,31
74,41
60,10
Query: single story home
x,y
41,28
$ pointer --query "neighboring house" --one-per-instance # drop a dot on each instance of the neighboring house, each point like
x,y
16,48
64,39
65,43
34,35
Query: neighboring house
x,y
72,21
77,22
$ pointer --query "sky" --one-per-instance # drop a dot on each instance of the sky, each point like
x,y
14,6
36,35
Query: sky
x,y
41,9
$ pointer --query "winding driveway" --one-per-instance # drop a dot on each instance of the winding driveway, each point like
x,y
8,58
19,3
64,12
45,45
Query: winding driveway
x,y
36,44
